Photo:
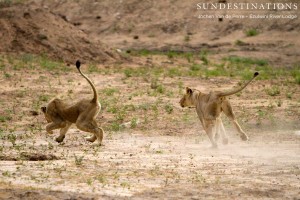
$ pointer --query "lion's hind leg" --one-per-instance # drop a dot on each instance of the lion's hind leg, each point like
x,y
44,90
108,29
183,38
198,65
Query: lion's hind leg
x,y
227,109
243,135
98,134
91,127
91,138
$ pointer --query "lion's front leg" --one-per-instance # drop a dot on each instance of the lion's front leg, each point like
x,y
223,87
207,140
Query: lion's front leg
x,y
54,125
221,131
218,129
63,132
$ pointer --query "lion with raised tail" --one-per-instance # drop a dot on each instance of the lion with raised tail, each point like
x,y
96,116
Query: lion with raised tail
x,y
209,108
61,115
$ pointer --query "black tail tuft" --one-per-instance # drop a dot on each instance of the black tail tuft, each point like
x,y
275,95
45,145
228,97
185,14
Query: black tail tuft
x,y
256,74
78,64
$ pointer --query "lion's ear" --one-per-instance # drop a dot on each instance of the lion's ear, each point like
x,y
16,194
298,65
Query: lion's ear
x,y
43,109
189,90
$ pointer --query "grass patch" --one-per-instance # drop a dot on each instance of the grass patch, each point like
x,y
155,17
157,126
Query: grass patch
x,y
297,79
109,91
244,60
251,32
169,108
296,74
93,68
27,58
174,71
48,64
160,89
7,75
133,123
5,118
187,38
236,66
273,91
44,98
135,72
240,43
7,3
242,67
116,126
78,160
30,61
203,57
195,68
169,54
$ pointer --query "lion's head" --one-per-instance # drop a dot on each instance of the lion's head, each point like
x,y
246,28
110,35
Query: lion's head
x,y
47,117
187,99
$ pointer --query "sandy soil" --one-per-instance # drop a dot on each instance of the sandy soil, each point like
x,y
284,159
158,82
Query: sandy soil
x,y
139,167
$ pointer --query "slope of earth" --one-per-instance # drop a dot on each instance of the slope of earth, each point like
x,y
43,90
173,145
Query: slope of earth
x,y
178,25
33,30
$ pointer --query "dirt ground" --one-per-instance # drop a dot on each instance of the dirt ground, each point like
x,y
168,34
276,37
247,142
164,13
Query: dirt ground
x,y
136,166
141,55
153,148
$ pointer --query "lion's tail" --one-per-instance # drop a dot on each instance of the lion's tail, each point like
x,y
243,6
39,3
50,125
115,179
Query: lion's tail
x,y
221,94
95,99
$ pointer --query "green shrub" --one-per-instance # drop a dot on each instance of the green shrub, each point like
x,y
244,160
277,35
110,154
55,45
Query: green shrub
x,y
273,91
251,32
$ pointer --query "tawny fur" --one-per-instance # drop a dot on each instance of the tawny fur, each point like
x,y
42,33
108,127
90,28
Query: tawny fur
x,y
209,108
61,115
